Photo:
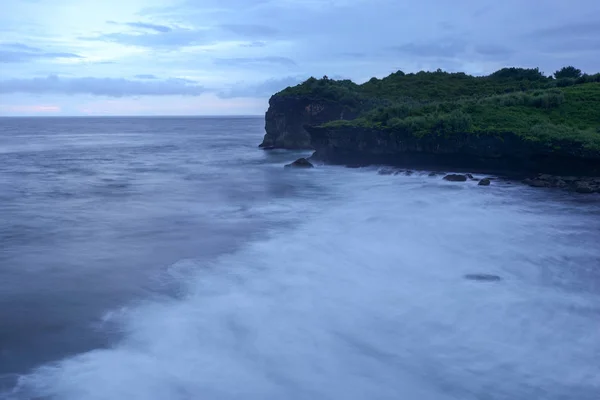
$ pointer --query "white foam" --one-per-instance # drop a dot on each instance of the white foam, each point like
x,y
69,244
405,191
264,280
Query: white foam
x,y
365,299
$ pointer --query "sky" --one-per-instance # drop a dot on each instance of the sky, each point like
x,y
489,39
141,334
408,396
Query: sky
x,y
227,57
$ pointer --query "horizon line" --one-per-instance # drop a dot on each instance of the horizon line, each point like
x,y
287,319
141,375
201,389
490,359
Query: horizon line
x,y
137,116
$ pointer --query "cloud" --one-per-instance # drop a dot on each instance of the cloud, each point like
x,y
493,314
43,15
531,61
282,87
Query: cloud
x,y
112,87
354,54
250,30
480,11
143,25
450,49
579,29
248,61
491,49
254,44
263,89
152,27
145,76
17,56
170,39
20,47
29,109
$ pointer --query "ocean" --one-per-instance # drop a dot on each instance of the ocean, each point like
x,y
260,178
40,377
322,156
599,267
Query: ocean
x,y
170,258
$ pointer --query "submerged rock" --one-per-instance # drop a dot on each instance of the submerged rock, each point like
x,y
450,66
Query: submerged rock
x,y
300,163
455,178
470,176
484,182
483,277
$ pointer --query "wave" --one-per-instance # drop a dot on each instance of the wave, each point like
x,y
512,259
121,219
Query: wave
x,y
366,298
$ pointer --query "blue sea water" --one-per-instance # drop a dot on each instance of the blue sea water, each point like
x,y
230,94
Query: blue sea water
x,y
169,258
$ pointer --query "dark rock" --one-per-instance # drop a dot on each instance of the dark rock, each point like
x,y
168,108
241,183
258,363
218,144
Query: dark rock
x,y
287,116
569,179
537,183
469,176
483,277
300,163
585,187
509,152
455,178
432,174
560,183
484,182
267,147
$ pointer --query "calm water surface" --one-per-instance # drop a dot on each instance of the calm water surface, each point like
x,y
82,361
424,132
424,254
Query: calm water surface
x,y
169,258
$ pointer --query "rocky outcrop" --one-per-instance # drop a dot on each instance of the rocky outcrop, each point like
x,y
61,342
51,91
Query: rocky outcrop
x,y
455,178
484,182
573,183
504,152
287,117
300,163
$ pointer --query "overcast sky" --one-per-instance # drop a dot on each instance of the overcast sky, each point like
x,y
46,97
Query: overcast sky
x,y
212,57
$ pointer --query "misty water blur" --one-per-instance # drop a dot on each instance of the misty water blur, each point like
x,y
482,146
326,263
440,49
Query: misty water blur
x,y
171,259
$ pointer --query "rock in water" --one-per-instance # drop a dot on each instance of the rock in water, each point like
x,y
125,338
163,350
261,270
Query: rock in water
x,y
300,163
584,187
483,277
484,182
469,176
537,183
455,178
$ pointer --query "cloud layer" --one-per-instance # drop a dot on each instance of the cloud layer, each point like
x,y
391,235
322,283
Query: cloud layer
x,y
250,48
111,87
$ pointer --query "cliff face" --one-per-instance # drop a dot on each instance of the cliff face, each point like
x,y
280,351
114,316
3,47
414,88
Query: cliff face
x,y
505,152
287,116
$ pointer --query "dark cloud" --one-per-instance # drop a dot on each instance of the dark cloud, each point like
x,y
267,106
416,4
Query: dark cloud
x,y
246,61
573,45
143,25
250,30
152,27
580,30
112,87
145,76
440,48
263,89
491,49
18,56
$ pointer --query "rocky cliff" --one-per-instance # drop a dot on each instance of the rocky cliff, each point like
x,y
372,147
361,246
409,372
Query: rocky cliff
x,y
485,152
288,115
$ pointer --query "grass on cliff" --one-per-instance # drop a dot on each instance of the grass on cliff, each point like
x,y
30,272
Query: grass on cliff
x,y
570,113
515,100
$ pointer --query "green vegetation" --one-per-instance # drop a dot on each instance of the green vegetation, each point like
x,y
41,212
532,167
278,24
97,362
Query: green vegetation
x,y
511,100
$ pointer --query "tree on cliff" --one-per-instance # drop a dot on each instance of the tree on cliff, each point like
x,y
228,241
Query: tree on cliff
x,y
567,72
